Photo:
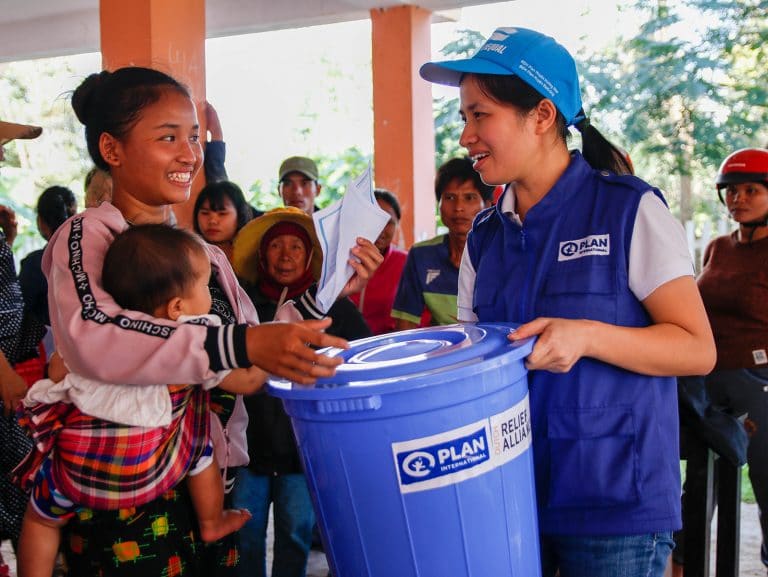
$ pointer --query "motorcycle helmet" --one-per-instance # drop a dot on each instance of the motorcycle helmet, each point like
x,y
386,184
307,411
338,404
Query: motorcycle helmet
x,y
745,165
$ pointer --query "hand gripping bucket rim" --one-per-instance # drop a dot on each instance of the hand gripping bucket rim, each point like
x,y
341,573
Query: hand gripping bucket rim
x,y
407,359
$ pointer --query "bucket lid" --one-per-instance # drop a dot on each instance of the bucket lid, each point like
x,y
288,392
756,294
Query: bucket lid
x,y
395,359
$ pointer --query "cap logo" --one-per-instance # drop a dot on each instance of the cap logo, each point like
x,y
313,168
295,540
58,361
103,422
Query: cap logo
x,y
540,79
502,33
499,48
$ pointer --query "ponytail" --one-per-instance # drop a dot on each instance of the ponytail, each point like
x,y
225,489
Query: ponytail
x,y
599,152
112,102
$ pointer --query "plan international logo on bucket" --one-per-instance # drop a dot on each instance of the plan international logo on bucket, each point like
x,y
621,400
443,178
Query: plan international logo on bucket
x,y
463,453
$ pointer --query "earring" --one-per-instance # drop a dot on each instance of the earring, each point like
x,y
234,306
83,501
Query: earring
x,y
110,156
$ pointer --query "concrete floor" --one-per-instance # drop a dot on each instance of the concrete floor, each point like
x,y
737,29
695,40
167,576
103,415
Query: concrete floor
x,y
749,558
318,565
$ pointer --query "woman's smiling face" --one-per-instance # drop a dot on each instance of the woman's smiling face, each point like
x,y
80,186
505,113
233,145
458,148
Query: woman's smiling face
x,y
496,136
159,157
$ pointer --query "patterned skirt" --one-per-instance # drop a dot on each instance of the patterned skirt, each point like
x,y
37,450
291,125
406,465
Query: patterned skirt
x,y
156,539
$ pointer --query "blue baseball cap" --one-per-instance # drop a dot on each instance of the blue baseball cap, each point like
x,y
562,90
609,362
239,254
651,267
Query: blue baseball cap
x,y
537,59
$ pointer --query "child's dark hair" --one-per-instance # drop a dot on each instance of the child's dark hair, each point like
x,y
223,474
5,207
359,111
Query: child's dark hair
x,y
390,198
112,102
89,177
55,205
460,169
216,193
597,150
147,265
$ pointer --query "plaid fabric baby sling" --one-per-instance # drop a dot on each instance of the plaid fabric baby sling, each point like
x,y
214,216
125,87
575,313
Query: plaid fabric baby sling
x,y
103,465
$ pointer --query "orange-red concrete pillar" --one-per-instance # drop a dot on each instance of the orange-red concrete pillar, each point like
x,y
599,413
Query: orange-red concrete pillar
x,y
403,134
168,35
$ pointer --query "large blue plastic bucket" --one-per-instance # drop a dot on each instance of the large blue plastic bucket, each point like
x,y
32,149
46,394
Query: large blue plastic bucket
x,y
418,458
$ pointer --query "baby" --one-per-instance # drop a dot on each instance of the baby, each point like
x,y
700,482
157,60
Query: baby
x,y
148,437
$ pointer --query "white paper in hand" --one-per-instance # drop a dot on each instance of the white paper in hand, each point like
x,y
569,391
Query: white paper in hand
x,y
356,214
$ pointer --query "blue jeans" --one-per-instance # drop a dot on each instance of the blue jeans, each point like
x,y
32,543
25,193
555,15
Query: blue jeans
x,y
293,520
612,556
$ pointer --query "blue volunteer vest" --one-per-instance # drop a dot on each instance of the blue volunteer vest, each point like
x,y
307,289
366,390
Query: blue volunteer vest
x,y
605,440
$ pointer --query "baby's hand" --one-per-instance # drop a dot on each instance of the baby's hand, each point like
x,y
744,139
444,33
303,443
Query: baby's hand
x,y
244,381
57,370
257,378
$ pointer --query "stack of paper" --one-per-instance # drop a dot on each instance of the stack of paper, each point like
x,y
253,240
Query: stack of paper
x,y
338,226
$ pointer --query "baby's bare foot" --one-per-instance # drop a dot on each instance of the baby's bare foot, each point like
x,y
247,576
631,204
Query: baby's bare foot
x,y
231,520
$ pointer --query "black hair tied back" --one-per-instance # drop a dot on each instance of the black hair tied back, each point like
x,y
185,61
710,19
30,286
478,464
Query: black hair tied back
x,y
599,152
85,96
583,124
112,102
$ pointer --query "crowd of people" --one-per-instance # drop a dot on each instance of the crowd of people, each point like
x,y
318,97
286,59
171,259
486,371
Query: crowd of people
x,y
124,319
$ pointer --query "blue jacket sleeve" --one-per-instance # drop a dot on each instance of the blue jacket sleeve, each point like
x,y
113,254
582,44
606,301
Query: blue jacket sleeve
x,y
409,300
215,155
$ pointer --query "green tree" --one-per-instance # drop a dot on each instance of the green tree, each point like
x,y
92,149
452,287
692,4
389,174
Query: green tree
x,y
686,90
263,196
336,172
37,92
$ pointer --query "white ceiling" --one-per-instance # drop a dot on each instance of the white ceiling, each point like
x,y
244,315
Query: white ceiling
x,y
43,28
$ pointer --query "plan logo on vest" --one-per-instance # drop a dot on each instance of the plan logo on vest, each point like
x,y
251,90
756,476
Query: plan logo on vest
x,y
443,458
593,245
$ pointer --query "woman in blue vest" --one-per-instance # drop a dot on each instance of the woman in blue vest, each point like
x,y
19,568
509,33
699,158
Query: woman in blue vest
x,y
587,258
